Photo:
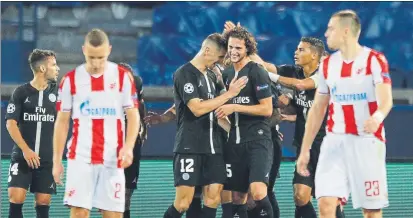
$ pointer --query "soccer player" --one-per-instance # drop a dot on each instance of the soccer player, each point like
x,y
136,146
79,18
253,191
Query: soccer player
x,y
198,159
250,146
132,172
355,86
96,95
30,118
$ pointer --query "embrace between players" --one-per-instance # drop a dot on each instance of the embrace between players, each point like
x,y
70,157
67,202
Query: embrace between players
x,y
227,145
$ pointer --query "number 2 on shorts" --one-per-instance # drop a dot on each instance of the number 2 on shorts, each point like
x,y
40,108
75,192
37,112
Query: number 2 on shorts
x,y
189,167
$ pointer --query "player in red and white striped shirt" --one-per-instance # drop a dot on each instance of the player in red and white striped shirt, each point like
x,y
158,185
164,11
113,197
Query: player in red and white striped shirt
x,y
355,86
96,95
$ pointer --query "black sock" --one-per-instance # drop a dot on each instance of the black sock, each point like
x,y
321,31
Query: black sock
x,y
306,211
253,213
339,212
172,212
264,208
126,214
208,212
15,210
239,210
195,209
227,210
274,204
42,211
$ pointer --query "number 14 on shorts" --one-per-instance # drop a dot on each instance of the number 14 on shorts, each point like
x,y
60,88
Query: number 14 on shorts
x,y
372,188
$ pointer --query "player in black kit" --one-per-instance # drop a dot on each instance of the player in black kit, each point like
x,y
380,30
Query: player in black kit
x,y
198,159
303,78
250,150
132,172
30,119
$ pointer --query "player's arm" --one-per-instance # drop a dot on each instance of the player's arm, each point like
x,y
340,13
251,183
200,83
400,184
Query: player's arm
x,y
383,89
271,68
225,124
261,85
14,109
130,103
186,86
283,77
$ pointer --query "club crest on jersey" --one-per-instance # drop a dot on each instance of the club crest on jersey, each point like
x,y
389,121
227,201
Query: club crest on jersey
x,y
188,88
11,108
52,97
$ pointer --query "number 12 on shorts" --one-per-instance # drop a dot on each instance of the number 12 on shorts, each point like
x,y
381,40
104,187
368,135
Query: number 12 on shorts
x,y
372,188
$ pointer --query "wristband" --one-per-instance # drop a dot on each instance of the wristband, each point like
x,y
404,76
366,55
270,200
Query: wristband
x,y
378,116
274,77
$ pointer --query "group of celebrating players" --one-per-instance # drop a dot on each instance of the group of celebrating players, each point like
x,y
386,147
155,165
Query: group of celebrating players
x,y
228,104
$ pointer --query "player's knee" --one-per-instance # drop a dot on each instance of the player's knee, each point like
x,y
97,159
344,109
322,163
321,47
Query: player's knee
x,y
17,196
301,198
213,196
226,197
182,204
327,207
43,199
77,212
372,213
239,198
258,190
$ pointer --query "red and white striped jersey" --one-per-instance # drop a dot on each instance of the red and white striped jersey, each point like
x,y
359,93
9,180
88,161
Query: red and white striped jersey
x,y
351,86
97,104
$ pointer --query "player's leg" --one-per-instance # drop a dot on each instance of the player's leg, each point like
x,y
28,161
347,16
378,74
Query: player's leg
x,y
109,196
186,176
195,208
303,187
331,177
20,177
80,180
131,180
274,173
226,202
237,174
43,186
260,162
214,176
366,159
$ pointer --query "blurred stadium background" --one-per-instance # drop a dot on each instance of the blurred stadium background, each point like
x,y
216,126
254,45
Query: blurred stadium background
x,y
157,37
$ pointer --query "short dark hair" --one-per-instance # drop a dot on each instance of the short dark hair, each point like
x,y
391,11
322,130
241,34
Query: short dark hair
x,y
96,37
316,45
218,39
38,56
355,23
243,34
127,66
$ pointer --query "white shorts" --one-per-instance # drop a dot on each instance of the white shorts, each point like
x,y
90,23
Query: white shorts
x,y
95,186
353,164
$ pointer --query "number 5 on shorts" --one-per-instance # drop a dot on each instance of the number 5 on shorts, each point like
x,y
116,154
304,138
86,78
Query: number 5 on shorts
x,y
229,171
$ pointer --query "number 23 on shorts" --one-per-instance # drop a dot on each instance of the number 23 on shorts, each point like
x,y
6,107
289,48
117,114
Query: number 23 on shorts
x,y
372,188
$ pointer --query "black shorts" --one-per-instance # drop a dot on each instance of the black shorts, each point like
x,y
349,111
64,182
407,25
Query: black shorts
x,y
132,172
199,169
276,161
312,166
247,163
39,180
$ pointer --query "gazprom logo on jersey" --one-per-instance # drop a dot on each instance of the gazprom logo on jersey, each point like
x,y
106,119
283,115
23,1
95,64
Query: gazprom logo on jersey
x,y
87,110
348,97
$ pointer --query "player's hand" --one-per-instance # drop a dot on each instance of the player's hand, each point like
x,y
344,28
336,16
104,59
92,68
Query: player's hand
x,y
300,86
302,163
289,118
152,118
236,86
58,172
371,125
283,100
224,110
125,156
229,25
32,159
